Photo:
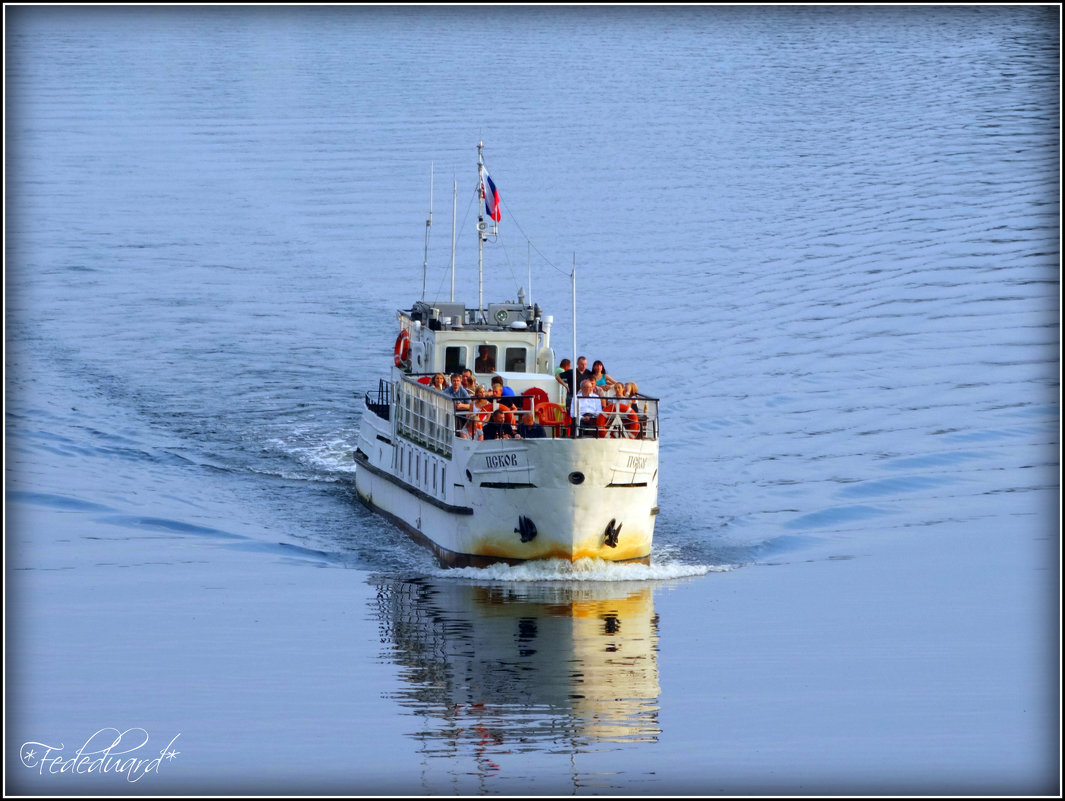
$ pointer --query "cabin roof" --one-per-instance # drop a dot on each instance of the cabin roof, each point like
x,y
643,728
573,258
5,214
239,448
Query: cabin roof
x,y
506,317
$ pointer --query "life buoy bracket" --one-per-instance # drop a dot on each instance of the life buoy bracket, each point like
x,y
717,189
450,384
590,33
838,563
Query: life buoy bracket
x,y
618,421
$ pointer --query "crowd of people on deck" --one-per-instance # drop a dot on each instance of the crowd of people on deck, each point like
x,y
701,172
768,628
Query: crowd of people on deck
x,y
488,412
598,391
494,412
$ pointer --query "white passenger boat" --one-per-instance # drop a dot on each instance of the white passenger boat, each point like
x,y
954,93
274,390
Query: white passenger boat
x,y
583,490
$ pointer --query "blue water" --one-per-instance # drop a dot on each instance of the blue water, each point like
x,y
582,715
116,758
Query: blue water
x,y
826,237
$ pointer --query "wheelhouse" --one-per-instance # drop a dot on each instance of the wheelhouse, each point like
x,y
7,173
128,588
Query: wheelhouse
x,y
449,338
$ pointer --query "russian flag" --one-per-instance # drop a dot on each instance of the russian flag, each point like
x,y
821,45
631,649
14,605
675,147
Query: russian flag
x,y
491,196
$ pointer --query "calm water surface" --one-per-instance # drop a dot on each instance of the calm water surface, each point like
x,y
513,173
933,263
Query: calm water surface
x,y
826,237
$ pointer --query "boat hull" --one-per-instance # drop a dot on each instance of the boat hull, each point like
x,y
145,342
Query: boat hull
x,y
516,500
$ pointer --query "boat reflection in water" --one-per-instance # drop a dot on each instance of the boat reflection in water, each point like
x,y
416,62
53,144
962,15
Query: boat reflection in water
x,y
523,667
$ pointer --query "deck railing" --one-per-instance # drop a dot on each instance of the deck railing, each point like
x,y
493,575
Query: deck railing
x,y
380,402
424,415
428,416
629,418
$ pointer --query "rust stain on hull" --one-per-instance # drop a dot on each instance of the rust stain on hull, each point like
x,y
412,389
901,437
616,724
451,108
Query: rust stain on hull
x,y
566,554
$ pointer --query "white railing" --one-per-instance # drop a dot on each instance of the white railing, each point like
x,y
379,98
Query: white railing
x,y
427,416
629,418
424,415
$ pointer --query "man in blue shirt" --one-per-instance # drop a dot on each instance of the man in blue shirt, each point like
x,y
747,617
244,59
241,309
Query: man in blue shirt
x,y
462,398
501,390
528,428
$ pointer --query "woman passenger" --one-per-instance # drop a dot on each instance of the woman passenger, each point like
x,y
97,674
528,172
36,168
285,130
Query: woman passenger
x,y
599,376
482,404
439,382
472,430
632,392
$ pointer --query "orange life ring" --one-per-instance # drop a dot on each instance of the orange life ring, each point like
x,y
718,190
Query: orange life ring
x,y
618,421
402,349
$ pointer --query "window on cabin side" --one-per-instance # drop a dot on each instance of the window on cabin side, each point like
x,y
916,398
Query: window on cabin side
x,y
486,359
454,359
515,361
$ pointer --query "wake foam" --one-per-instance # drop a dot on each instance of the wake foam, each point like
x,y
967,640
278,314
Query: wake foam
x,y
318,460
580,570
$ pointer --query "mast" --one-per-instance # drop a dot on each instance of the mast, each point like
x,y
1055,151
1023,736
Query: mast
x,y
576,390
482,227
480,230
454,209
428,225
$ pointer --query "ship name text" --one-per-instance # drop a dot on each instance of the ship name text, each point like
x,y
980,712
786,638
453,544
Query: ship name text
x,y
495,461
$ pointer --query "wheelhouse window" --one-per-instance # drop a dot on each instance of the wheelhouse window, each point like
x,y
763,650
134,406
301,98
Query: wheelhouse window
x,y
486,359
515,360
454,359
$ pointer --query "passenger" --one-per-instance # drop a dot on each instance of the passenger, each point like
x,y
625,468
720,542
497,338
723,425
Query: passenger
x,y
483,405
439,382
503,394
632,392
472,430
504,390
468,380
563,375
582,370
498,427
461,398
528,428
600,377
563,367
485,362
587,407
458,392
565,378
616,399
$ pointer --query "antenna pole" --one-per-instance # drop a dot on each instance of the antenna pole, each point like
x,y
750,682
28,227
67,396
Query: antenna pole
x,y
576,389
480,229
428,225
454,209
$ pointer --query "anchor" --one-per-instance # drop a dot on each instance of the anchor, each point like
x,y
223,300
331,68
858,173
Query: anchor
x,y
526,528
611,533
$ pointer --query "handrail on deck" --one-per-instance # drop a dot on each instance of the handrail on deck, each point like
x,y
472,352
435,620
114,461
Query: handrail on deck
x,y
429,416
424,415
380,403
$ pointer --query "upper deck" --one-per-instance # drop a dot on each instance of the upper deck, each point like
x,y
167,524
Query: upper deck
x,y
429,418
510,340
